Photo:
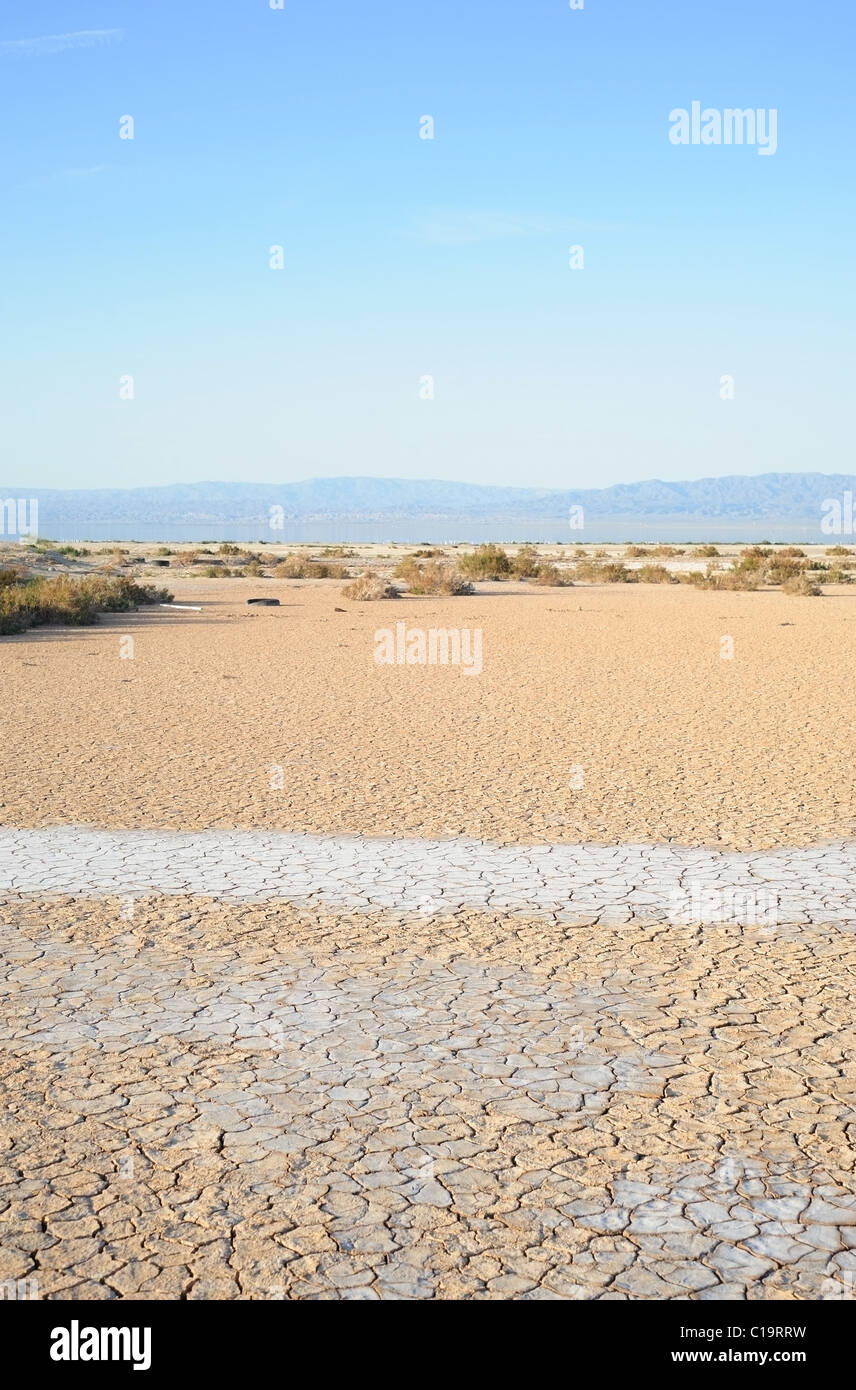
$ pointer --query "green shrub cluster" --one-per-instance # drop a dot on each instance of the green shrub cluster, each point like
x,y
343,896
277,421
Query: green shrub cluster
x,y
32,602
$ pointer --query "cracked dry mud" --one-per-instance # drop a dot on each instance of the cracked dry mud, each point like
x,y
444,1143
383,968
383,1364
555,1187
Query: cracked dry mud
x,y
226,1100
625,682
605,884
248,1052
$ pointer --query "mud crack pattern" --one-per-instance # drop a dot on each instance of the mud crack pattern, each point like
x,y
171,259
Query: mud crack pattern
x,y
209,1099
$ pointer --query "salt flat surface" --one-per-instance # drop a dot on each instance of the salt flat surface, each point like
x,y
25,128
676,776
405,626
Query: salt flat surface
x,y
608,884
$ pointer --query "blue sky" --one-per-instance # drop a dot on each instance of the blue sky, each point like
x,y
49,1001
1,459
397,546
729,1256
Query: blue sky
x,y
407,257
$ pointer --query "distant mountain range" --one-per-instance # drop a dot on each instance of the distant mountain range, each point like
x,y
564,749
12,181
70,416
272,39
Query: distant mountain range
x,y
770,496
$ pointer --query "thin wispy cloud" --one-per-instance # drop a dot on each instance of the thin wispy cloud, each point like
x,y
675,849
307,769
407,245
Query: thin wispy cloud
x,y
456,228
459,226
81,173
77,174
58,43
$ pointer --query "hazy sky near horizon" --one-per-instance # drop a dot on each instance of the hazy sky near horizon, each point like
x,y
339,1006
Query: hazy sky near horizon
x,y
407,257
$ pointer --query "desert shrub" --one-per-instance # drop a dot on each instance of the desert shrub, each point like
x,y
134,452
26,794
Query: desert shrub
x,y
692,577
118,595
654,574
485,562
525,564
227,548
802,585
164,550
43,601
299,567
609,572
707,551
186,557
148,593
836,575
13,616
337,550
781,568
553,576
752,557
792,552
211,572
11,575
405,563
667,552
368,587
70,601
117,556
738,578
253,569
427,552
636,552
293,567
838,550
432,577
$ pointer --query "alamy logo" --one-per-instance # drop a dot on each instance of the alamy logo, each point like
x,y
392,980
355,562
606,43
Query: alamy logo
x,y
841,1285
14,520
18,1290
837,519
704,906
76,1343
731,126
443,646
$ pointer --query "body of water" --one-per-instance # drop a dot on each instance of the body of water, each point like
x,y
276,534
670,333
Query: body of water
x,y
443,531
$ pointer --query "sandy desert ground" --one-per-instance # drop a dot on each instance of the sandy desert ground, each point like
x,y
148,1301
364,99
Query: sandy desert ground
x,y
265,1083
624,684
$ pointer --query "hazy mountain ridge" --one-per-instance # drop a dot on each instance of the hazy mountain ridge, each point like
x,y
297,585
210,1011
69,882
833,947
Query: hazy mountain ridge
x,y
773,496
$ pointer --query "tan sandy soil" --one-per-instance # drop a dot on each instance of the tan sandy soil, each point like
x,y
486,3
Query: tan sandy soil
x,y
212,1101
206,1100
624,682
